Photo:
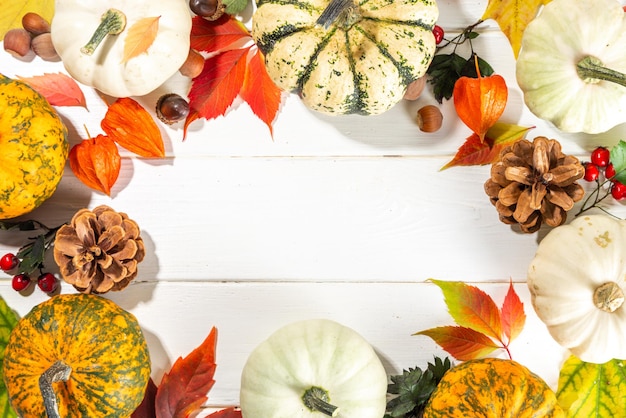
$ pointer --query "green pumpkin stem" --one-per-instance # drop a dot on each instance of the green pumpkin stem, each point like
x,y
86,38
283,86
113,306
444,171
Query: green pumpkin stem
x,y
316,399
58,372
334,10
591,70
113,23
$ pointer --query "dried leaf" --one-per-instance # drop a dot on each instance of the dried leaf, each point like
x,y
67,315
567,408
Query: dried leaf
x,y
471,307
461,342
513,16
96,162
58,89
147,407
132,127
260,92
8,320
512,313
12,11
588,390
184,389
140,37
217,35
227,413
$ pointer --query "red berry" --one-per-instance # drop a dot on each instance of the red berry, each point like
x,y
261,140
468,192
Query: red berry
x,y
592,172
600,156
609,172
618,190
8,262
438,32
47,282
20,282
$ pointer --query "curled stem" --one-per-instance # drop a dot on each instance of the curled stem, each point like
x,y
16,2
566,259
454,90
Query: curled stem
x,y
113,23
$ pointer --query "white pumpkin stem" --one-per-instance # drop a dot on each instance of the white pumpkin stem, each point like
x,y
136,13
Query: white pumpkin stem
x,y
58,372
113,23
316,399
608,297
591,70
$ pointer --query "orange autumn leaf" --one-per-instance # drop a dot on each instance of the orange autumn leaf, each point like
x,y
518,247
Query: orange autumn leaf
x,y
140,37
58,89
96,162
132,127
513,316
213,36
461,342
230,412
183,390
479,102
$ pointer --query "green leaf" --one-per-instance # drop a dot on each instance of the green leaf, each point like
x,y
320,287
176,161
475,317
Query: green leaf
x,y
588,390
444,70
8,320
618,159
234,7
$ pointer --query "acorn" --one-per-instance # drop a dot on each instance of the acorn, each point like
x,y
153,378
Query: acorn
x,y
35,24
171,108
17,42
429,118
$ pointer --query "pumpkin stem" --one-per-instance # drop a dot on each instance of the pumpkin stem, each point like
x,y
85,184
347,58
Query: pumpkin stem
x,y
591,70
334,10
113,23
608,297
58,372
316,399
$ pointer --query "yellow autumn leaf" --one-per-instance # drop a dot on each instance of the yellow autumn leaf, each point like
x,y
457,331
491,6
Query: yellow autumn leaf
x,y
12,11
513,16
140,36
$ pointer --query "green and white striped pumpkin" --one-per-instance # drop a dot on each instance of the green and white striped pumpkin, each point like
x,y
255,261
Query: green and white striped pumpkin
x,y
343,56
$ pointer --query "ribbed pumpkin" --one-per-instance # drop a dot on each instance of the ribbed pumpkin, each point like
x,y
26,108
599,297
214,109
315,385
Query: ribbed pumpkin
x,y
34,147
343,56
101,343
492,388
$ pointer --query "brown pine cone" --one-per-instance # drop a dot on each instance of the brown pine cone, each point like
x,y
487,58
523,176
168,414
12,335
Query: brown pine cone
x,y
99,250
534,182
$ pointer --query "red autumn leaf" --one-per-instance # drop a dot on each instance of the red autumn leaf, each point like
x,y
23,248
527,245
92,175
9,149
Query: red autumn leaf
x,y
477,152
462,343
471,307
213,36
58,89
215,89
513,316
184,389
132,127
227,413
146,408
260,92
96,162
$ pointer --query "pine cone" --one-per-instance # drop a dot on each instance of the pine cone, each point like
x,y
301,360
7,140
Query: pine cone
x,y
99,250
534,182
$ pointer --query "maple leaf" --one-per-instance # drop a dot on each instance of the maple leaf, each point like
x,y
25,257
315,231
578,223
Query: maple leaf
x,y
57,88
184,389
12,11
140,36
513,16
477,152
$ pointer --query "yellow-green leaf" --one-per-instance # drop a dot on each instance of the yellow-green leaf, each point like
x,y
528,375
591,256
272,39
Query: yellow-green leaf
x,y
588,390
8,319
12,11
513,16
140,36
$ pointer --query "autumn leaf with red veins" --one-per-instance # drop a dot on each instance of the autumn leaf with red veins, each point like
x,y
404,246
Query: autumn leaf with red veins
x,y
57,88
234,68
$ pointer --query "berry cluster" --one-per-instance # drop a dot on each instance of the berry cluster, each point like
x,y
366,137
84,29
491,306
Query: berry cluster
x,y
47,282
600,169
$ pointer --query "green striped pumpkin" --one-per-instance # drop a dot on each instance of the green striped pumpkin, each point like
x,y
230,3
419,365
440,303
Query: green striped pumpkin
x,y
492,388
343,56
101,343
33,140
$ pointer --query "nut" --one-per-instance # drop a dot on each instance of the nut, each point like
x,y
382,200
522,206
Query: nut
x,y
429,118
193,65
35,24
415,88
43,47
17,42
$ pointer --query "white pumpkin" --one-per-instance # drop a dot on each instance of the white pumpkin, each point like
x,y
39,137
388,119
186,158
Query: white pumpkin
x,y
577,281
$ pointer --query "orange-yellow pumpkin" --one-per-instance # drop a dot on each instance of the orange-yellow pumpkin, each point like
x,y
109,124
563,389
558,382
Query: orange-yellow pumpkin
x,y
33,148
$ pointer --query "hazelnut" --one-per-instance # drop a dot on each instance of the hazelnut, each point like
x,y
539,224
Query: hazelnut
x,y
43,47
192,67
429,118
415,88
35,24
17,42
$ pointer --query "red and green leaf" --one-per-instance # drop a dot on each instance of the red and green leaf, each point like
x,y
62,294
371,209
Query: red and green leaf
x,y
461,342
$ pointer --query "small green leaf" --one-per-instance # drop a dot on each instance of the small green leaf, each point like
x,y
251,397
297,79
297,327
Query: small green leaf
x,y
234,7
444,70
588,390
8,320
618,159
